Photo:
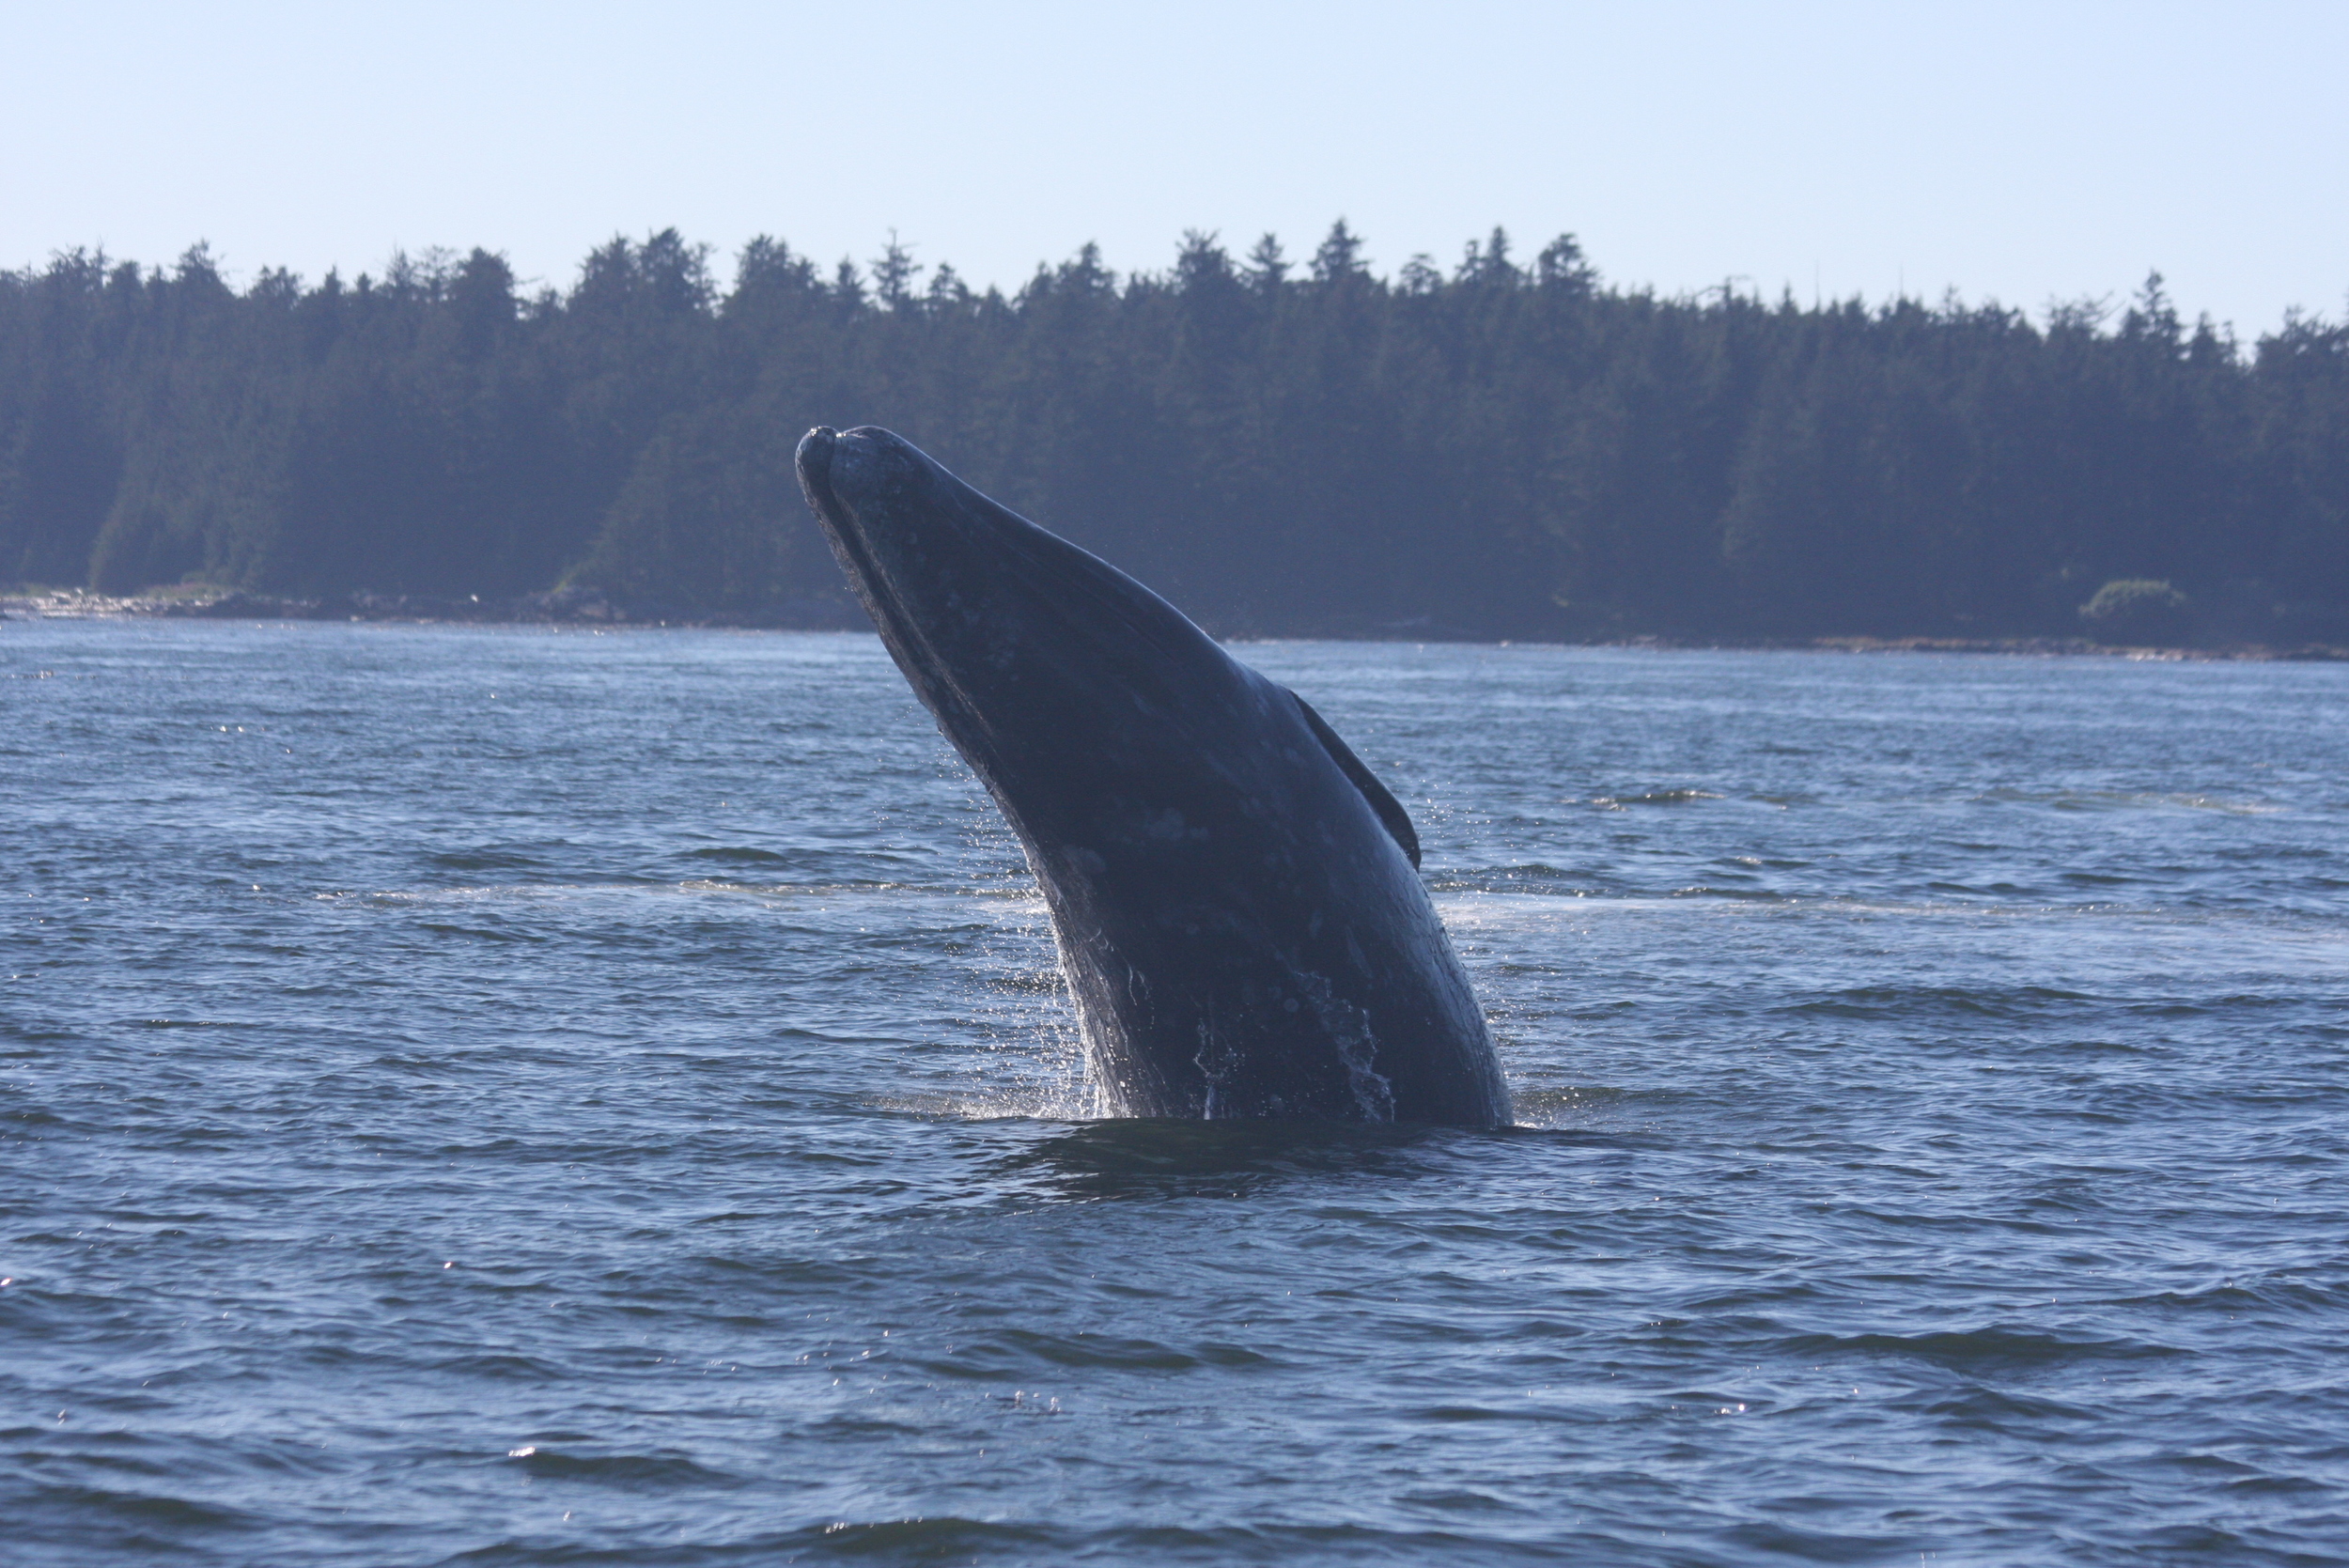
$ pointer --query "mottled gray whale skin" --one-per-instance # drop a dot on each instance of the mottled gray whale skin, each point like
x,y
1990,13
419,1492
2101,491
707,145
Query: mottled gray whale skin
x,y
1235,897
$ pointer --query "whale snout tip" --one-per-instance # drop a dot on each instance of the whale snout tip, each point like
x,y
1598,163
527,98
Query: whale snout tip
x,y
814,454
814,463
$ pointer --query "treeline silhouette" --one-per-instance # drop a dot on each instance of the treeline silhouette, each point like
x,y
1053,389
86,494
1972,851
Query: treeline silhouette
x,y
1495,449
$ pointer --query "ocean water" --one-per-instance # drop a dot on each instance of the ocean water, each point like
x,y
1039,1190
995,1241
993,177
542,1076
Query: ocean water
x,y
511,1096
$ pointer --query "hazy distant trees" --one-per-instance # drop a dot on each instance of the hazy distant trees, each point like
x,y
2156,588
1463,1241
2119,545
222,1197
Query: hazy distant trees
x,y
1494,447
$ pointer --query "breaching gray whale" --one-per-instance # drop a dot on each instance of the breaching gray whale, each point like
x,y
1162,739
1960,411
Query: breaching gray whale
x,y
1235,894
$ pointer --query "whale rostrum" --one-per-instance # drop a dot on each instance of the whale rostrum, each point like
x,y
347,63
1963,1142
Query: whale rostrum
x,y
1234,893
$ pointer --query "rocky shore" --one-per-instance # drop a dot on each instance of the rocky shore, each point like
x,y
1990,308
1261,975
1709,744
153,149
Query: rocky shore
x,y
593,608
556,607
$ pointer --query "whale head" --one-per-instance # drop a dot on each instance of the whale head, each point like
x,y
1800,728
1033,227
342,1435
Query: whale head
x,y
1047,667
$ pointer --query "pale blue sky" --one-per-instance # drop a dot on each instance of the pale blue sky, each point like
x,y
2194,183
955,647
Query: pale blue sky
x,y
2016,152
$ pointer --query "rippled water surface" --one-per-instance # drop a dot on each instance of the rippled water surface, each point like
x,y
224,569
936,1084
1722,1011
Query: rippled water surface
x,y
509,1096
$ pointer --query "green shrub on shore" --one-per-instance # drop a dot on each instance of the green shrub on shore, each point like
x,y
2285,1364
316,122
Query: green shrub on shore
x,y
2138,610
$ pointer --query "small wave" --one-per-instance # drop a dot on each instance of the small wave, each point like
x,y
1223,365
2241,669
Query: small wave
x,y
802,890
851,887
1586,1112
650,1472
1653,797
1877,1001
996,1103
1997,1409
2280,1293
494,892
947,1539
1162,1158
483,933
951,1539
1981,1350
502,1364
145,1510
1009,1352
1533,876
2114,799
490,857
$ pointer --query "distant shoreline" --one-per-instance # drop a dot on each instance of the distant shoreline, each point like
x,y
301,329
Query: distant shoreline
x,y
587,608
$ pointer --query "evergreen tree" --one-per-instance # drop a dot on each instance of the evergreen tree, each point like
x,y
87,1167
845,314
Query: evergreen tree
x,y
1503,450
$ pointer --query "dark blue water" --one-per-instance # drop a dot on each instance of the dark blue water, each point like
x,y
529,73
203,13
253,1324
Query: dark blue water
x,y
509,1096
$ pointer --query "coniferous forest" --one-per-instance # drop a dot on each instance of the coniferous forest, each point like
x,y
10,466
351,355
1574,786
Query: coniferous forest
x,y
1503,448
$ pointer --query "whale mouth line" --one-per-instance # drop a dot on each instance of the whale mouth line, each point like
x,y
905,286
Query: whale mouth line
x,y
901,631
814,463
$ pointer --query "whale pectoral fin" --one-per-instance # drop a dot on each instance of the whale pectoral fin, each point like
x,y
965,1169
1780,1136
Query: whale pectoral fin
x,y
1382,802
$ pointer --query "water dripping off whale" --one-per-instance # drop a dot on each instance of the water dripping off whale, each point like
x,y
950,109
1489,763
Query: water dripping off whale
x,y
1235,896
